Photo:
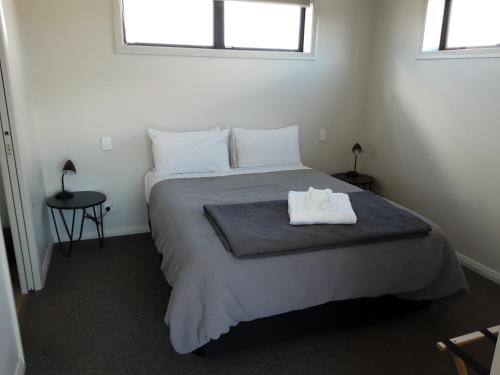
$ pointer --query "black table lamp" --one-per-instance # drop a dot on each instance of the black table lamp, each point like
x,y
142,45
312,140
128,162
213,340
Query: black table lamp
x,y
356,150
69,168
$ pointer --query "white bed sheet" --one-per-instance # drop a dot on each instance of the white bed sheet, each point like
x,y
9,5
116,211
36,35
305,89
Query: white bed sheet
x,y
151,178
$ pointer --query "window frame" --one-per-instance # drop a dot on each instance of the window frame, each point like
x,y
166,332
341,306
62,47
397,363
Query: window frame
x,y
445,52
218,50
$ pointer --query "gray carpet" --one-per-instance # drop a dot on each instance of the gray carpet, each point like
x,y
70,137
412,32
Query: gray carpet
x,y
102,313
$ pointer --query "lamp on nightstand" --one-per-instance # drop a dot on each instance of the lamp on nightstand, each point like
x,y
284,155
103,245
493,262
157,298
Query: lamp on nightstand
x,y
68,169
356,150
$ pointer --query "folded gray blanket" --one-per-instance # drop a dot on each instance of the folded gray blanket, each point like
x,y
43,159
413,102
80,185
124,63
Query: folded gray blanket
x,y
262,229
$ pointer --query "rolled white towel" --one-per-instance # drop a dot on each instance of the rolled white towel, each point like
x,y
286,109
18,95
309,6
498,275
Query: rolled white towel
x,y
319,200
300,214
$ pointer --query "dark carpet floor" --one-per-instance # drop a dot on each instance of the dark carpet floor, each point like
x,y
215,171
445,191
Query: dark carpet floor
x,y
102,313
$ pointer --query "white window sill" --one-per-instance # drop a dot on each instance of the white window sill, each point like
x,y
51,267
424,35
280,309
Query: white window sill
x,y
215,53
478,53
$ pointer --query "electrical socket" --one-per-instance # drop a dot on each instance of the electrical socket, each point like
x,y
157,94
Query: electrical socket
x,y
110,207
106,144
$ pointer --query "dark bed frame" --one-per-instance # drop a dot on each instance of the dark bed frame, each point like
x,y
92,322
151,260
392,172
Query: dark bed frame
x,y
333,315
294,324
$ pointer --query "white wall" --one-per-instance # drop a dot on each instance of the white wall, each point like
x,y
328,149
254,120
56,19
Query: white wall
x,y
25,137
433,128
80,90
11,355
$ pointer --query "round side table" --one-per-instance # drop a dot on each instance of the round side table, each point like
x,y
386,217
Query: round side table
x,y
81,200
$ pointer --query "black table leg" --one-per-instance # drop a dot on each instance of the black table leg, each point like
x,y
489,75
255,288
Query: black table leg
x,y
84,213
98,224
102,224
57,232
68,232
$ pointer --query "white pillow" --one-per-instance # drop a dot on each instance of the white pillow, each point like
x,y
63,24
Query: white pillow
x,y
190,152
263,148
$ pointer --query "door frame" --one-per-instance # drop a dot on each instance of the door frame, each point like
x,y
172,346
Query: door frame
x,y
10,181
18,201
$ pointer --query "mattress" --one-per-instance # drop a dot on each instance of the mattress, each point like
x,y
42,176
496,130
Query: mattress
x,y
213,291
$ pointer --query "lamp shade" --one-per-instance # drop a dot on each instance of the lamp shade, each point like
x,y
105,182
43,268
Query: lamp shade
x,y
357,149
69,167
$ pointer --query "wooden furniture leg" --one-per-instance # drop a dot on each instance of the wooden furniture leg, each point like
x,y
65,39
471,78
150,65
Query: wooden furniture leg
x,y
462,341
460,365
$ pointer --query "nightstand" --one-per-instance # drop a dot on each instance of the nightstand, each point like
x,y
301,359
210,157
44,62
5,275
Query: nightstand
x,y
81,200
362,181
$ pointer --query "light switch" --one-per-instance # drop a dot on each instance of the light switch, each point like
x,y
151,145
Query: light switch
x,y
322,135
106,144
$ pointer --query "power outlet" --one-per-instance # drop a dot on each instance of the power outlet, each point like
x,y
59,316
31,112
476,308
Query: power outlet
x,y
106,144
110,207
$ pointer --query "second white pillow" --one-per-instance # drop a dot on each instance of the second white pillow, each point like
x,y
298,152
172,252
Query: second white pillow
x,y
262,148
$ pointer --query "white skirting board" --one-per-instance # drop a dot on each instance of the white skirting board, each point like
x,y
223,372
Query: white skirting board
x,y
479,268
123,231
46,263
91,233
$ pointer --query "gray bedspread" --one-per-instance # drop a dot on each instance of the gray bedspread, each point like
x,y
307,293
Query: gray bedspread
x,y
262,229
212,290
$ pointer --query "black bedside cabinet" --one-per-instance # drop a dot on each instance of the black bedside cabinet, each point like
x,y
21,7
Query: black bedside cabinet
x,y
362,181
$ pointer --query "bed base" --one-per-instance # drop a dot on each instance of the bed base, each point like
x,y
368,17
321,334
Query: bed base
x,y
333,315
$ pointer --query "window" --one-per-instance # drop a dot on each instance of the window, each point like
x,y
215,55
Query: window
x,y
252,25
461,24
168,22
280,26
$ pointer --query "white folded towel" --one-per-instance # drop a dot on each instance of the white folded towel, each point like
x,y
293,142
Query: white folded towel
x,y
340,210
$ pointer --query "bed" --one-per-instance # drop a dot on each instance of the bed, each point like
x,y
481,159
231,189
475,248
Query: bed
x,y
212,291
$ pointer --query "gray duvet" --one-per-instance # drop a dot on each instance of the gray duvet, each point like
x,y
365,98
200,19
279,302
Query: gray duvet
x,y
212,290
